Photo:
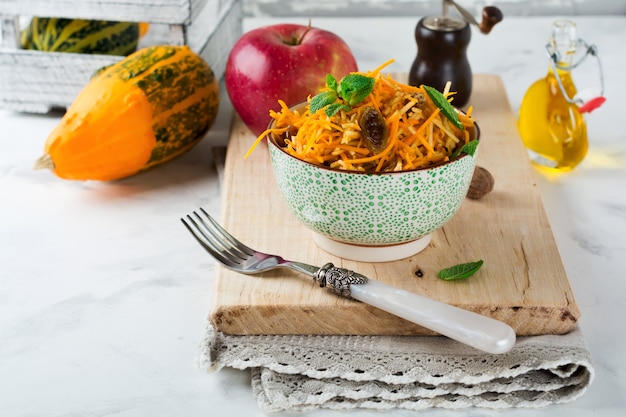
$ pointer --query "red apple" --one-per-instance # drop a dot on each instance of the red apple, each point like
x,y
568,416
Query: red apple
x,y
287,62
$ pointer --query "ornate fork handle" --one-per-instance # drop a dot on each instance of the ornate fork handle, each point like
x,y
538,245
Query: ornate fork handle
x,y
471,328
338,279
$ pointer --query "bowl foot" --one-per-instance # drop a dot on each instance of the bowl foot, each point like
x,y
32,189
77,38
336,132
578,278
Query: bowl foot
x,y
361,253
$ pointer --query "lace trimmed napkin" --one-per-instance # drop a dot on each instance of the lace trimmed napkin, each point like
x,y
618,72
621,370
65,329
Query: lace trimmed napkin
x,y
303,372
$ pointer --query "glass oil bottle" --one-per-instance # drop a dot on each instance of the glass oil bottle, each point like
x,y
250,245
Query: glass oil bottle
x,y
551,117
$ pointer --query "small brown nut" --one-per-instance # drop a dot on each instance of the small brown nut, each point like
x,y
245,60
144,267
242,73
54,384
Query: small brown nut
x,y
481,185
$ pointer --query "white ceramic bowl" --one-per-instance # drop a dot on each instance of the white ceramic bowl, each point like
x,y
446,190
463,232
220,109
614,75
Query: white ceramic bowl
x,y
373,217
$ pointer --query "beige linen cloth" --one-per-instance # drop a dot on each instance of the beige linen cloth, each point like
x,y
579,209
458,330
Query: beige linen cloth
x,y
305,372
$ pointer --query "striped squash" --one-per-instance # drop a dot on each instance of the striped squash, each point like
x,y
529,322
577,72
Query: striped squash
x,y
140,112
81,36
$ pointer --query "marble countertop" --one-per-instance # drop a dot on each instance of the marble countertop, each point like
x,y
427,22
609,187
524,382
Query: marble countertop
x,y
104,295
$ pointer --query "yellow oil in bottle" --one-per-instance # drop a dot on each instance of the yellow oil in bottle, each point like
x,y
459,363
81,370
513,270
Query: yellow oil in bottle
x,y
550,125
553,130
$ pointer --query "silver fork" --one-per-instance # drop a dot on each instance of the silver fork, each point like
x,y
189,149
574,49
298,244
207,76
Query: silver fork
x,y
465,326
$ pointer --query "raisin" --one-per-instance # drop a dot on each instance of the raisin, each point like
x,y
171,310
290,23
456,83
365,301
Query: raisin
x,y
374,129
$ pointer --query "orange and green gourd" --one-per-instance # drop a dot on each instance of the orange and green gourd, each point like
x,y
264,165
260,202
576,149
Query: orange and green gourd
x,y
103,37
140,112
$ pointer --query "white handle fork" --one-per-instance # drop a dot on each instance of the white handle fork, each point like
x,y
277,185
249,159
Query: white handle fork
x,y
465,326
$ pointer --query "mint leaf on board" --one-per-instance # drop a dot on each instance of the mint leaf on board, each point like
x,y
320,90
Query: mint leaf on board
x,y
322,100
469,148
444,105
461,271
355,87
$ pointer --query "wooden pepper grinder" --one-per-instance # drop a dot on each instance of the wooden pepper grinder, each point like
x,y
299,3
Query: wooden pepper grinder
x,y
441,50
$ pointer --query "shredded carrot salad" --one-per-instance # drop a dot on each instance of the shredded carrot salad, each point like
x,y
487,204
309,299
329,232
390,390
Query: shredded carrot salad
x,y
419,135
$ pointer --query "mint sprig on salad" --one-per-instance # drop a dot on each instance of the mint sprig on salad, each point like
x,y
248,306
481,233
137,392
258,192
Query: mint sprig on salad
x,y
469,148
448,111
444,105
351,90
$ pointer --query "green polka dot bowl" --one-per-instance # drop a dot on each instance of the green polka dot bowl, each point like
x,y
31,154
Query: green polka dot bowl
x,y
374,217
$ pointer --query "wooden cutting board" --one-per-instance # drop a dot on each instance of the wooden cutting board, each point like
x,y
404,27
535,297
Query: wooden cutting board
x,y
522,282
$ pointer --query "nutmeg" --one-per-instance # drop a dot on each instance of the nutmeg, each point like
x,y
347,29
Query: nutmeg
x,y
482,183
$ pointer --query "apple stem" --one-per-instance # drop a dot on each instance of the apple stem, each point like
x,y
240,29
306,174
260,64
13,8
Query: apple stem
x,y
308,28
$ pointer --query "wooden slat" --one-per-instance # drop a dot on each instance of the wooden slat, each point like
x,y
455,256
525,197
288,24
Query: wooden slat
x,y
10,34
36,81
523,281
156,11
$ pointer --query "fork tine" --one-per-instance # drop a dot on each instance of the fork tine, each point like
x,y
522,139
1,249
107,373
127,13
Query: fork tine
x,y
222,234
219,243
197,232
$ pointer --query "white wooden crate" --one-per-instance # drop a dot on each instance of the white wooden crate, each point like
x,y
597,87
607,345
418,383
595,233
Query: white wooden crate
x,y
36,81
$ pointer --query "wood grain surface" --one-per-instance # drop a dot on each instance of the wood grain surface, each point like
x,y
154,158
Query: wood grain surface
x,y
522,282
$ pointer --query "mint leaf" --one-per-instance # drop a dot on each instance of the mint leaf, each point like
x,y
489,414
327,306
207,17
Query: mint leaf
x,y
334,108
460,271
469,148
352,89
322,100
444,105
355,87
331,82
